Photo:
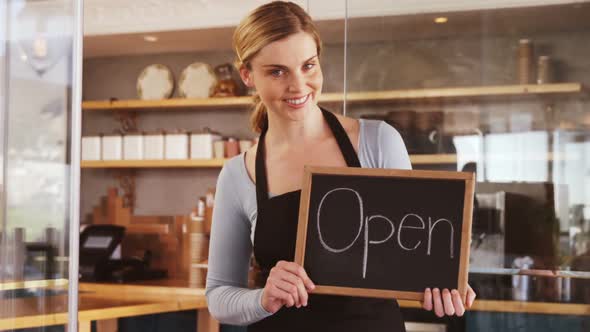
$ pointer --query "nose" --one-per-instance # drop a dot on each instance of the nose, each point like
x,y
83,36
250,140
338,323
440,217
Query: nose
x,y
296,82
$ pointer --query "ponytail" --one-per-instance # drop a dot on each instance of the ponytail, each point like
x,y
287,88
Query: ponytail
x,y
259,118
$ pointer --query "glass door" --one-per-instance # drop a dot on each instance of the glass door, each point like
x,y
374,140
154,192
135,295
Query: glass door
x,y
500,91
40,52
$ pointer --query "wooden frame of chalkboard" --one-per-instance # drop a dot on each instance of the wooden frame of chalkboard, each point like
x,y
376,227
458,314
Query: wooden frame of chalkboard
x,y
450,184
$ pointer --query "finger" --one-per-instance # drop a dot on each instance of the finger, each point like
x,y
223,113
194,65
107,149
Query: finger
x,y
290,289
458,302
288,301
448,302
298,271
285,281
286,298
302,292
470,297
280,294
427,302
293,279
438,306
301,296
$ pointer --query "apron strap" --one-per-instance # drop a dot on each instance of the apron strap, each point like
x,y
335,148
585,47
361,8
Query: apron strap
x,y
346,147
261,183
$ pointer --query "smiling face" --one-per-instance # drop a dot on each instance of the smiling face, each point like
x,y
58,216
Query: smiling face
x,y
287,76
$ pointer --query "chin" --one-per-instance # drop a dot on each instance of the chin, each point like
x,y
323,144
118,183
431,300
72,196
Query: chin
x,y
296,114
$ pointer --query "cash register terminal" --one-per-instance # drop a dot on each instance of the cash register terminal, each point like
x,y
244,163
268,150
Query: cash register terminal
x,y
97,245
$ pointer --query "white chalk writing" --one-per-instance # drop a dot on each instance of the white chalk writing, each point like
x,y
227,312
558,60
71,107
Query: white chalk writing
x,y
370,219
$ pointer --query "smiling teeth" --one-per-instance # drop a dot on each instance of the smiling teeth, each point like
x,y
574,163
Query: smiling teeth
x,y
298,101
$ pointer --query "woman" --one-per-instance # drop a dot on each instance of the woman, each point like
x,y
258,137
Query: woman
x,y
257,201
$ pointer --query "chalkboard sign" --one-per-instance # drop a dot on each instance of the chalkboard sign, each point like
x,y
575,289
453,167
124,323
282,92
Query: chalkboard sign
x,y
385,233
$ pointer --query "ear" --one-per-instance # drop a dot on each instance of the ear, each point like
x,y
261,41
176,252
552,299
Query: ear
x,y
246,76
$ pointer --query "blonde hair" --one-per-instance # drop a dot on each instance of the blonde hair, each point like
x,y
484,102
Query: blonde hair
x,y
266,24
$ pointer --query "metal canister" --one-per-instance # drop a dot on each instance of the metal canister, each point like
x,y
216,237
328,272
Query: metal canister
x,y
521,283
544,70
564,287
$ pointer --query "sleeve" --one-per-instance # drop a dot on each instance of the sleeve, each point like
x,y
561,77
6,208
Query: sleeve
x,y
392,150
229,300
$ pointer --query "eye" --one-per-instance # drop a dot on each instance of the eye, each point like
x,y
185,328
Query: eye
x,y
308,66
277,72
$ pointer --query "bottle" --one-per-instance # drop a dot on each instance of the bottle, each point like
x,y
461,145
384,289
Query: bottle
x,y
199,242
525,59
201,209
197,217
232,148
209,201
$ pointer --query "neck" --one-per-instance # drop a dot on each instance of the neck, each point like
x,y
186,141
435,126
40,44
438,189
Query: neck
x,y
286,132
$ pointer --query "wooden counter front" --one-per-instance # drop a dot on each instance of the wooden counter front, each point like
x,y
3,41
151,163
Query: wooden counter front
x,y
99,302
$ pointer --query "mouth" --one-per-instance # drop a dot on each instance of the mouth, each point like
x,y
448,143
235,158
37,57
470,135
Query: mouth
x,y
297,102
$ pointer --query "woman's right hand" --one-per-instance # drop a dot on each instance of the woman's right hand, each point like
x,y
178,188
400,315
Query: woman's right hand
x,y
286,285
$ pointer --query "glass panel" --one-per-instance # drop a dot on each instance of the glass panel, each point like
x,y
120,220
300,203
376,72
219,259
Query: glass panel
x,y
35,89
327,17
496,91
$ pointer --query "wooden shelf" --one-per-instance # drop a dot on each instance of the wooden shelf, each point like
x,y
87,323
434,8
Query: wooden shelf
x,y
213,163
430,159
190,163
416,159
166,103
460,92
351,97
26,284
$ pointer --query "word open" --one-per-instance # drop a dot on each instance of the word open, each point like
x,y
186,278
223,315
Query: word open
x,y
408,221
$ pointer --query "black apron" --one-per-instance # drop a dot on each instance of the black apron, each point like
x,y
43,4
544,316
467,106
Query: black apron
x,y
274,240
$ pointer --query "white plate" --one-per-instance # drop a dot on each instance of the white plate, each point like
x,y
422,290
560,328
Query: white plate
x,y
197,81
155,82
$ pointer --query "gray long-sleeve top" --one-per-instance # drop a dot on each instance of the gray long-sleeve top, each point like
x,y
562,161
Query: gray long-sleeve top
x,y
234,222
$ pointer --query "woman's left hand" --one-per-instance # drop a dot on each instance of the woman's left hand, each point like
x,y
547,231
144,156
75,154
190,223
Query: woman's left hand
x,y
447,302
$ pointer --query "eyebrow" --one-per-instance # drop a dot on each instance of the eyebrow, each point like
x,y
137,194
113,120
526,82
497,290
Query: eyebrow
x,y
283,66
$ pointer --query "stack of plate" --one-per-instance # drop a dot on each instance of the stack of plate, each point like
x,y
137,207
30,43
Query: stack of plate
x,y
198,253
155,82
199,247
197,81
197,275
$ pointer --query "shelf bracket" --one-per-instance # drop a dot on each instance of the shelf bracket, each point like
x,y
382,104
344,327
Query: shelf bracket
x,y
126,179
551,116
127,121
